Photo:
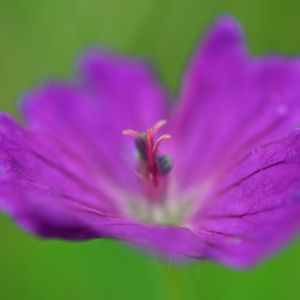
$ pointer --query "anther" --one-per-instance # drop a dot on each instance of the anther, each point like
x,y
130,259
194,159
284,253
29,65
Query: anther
x,y
140,143
165,164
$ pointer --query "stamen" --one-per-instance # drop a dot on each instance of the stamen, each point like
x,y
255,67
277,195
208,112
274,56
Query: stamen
x,y
150,153
151,167
159,140
164,164
141,146
158,125
130,132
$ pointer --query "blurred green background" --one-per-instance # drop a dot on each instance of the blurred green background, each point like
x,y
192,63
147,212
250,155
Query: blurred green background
x,y
41,39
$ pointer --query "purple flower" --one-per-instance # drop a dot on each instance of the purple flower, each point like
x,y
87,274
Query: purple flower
x,y
225,186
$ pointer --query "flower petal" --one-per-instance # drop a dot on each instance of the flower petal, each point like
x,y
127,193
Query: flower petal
x,y
46,193
65,113
41,186
129,93
169,242
256,207
230,102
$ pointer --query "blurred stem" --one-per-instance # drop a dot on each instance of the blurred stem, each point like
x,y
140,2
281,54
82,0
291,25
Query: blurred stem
x,y
173,276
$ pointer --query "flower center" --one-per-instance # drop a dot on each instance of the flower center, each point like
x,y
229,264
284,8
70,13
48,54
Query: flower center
x,y
152,168
159,203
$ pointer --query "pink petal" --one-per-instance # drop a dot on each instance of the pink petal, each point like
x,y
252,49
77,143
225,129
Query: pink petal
x,y
231,103
255,207
42,186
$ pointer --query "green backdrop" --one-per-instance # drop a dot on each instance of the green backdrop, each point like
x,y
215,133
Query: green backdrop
x,y
41,39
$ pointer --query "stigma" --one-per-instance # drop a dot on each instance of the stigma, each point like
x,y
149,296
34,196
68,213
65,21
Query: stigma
x,y
152,168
